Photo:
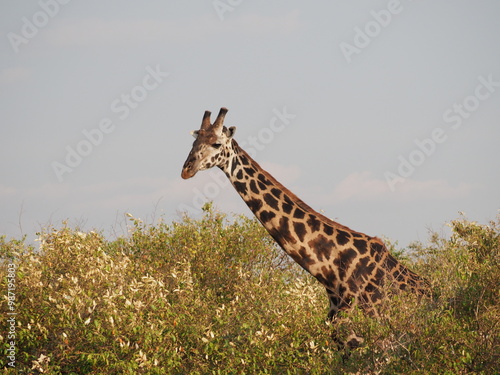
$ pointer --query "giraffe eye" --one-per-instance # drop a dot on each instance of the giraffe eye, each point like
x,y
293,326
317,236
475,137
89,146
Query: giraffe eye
x,y
216,145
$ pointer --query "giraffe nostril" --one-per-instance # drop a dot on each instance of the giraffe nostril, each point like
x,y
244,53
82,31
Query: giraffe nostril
x,y
187,169
187,173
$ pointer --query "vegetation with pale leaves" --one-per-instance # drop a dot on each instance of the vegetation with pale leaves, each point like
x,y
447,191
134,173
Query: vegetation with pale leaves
x,y
216,296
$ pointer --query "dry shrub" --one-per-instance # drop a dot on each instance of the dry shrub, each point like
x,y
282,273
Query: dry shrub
x,y
215,295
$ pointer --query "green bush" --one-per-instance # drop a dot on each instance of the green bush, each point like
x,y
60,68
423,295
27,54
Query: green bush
x,y
216,296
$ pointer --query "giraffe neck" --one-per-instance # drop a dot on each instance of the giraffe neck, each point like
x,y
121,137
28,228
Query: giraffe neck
x,y
287,218
350,264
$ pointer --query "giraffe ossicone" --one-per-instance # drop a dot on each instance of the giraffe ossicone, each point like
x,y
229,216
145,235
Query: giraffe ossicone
x,y
354,268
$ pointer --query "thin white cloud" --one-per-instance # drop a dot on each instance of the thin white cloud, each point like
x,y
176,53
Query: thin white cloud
x,y
6,192
364,186
105,32
286,174
88,195
434,189
359,185
14,75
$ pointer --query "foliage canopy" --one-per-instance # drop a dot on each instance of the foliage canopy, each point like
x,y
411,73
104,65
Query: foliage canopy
x,y
216,296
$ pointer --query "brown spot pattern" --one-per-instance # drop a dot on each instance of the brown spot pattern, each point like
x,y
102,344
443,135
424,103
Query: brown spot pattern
x,y
352,266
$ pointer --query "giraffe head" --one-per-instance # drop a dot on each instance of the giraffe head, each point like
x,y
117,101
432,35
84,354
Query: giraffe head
x,y
211,147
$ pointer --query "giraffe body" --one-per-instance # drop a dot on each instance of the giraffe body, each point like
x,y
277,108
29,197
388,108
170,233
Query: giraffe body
x,y
352,266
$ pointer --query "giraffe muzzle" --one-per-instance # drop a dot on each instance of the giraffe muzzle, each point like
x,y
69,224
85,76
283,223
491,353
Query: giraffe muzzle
x,y
186,173
188,169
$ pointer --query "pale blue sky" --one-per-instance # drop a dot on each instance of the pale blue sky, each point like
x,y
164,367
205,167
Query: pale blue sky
x,y
393,108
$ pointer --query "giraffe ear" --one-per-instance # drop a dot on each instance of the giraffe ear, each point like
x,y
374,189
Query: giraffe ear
x,y
230,131
194,133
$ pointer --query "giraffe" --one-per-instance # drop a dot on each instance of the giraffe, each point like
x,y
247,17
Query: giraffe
x,y
352,266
